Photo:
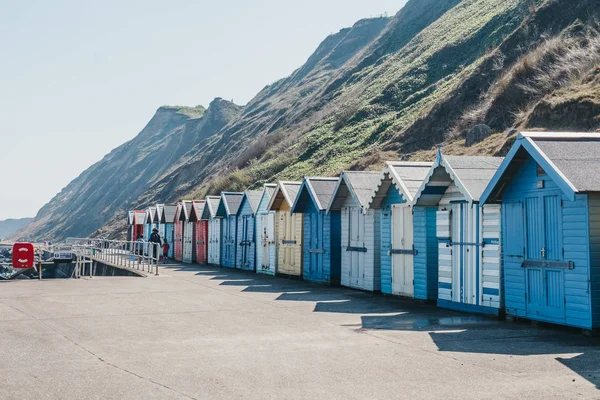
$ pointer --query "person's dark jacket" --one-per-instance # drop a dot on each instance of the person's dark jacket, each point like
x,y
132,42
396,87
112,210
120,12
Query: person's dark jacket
x,y
155,238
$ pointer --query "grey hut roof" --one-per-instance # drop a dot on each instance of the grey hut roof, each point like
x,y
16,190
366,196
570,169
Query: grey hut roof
x,y
358,184
267,193
168,214
158,212
186,210
253,196
230,203
150,213
198,209
571,159
285,190
140,217
322,190
211,207
130,217
471,174
575,156
405,175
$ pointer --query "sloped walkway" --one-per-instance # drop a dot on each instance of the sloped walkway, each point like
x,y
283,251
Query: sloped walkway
x,y
210,333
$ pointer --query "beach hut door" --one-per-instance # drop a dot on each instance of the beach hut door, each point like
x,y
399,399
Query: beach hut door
x,y
245,239
356,246
213,242
545,283
316,244
188,239
402,250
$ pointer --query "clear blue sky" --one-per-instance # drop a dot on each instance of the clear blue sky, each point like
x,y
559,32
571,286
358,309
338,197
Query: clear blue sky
x,y
79,78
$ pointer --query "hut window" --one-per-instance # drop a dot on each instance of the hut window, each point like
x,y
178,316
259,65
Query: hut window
x,y
540,170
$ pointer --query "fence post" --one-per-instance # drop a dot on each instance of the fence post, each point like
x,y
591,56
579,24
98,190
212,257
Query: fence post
x,y
157,258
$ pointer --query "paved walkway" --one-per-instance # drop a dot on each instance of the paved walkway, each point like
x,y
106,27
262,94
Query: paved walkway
x,y
209,333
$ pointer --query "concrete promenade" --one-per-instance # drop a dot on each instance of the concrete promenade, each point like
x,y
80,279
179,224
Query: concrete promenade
x,y
209,333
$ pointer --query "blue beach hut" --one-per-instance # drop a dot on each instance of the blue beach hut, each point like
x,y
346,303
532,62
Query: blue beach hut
x,y
408,239
214,229
266,247
549,188
228,209
167,219
246,230
322,231
469,264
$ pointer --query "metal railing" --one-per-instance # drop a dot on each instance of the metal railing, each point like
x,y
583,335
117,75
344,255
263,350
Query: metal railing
x,y
133,255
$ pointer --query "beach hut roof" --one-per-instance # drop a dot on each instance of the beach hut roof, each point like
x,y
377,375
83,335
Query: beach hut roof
x,y
285,190
318,189
158,212
571,159
197,210
358,184
253,197
186,210
471,174
405,175
150,214
211,207
267,192
130,217
140,217
168,214
229,203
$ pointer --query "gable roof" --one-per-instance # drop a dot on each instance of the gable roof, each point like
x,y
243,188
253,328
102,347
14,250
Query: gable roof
x,y
267,193
571,159
405,175
210,207
197,210
158,212
130,217
285,190
150,213
140,217
253,197
229,203
358,184
186,210
168,214
471,174
318,189
178,212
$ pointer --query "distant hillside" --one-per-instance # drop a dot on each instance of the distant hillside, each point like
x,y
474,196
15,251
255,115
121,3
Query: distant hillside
x,y
438,72
8,227
112,185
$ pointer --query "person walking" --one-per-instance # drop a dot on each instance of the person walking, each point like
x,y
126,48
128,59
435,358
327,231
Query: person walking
x,y
155,243
165,249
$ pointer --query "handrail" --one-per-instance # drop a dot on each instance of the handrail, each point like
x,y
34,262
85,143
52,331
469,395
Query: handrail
x,y
134,255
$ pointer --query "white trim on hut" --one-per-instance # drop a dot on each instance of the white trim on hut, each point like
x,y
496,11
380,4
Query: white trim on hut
x,y
468,234
360,229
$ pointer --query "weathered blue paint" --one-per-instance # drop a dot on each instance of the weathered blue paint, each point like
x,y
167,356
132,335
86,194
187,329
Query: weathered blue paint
x,y
548,222
228,241
246,237
170,238
426,259
321,245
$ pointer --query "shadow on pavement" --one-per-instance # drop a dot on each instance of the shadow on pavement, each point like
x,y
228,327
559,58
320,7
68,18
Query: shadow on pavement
x,y
450,331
